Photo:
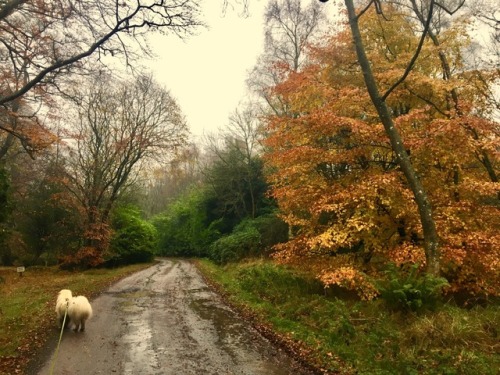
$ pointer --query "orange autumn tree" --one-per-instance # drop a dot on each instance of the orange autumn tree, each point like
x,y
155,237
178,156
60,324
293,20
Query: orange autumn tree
x,y
20,126
336,177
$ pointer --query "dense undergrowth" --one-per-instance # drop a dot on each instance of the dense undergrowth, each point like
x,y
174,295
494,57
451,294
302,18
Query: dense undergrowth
x,y
341,334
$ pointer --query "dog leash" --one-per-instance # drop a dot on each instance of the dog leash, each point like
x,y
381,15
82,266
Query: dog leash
x,y
60,337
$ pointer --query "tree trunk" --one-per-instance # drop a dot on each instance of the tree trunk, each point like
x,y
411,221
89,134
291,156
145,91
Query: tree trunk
x,y
431,242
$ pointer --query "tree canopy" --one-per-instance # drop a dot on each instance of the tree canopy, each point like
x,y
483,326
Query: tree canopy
x,y
339,182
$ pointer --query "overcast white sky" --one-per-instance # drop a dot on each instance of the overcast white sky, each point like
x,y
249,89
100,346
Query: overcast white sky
x,y
206,73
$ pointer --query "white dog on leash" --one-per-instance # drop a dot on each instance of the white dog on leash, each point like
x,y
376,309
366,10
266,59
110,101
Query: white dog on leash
x,y
62,303
79,311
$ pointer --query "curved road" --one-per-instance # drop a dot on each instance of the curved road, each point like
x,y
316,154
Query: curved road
x,y
165,320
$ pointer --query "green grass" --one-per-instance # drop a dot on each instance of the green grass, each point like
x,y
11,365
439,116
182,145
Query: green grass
x,y
27,306
347,336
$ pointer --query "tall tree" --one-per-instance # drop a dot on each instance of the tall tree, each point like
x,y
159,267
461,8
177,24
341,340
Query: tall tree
x,y
118,129
289,28
431,238
43,41
234,167
47,226
457,104
337,178
243,131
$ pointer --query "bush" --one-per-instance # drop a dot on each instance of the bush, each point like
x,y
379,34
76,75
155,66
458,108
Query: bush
x,y
250,238
186,229
236,246
411,291
86,257
271,228
134,240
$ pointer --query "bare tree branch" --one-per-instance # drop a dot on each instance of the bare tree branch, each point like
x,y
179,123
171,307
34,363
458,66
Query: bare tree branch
x,y
47,41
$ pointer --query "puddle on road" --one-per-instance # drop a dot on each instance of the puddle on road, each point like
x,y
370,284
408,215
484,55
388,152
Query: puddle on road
x,y
121,292
182,327
137,294
225,322
250,352
141,358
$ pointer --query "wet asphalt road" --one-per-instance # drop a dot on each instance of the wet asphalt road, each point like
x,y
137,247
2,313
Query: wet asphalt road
x,y
165,321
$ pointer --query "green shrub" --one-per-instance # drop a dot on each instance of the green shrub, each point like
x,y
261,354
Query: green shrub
x,y
186,229
236,246
250,238
271,228
410,290
134,240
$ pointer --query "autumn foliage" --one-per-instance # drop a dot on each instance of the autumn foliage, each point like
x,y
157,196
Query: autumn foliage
x,y
337,180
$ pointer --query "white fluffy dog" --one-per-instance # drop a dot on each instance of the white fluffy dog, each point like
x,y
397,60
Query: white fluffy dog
x,y
79,311
62,303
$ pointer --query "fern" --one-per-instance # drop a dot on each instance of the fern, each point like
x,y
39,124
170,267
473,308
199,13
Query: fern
x,y
411,290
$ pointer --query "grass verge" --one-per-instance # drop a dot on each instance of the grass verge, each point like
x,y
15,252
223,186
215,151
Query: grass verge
x,y
347,336
27,306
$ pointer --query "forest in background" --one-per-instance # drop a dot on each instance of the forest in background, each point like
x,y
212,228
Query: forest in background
x,y
343,168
